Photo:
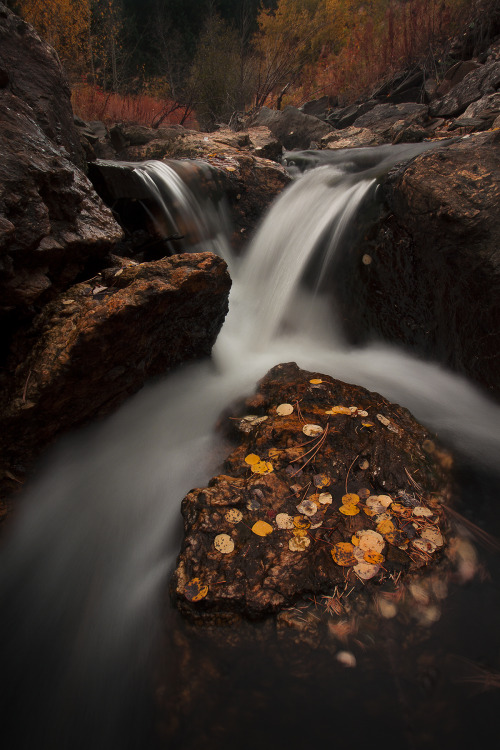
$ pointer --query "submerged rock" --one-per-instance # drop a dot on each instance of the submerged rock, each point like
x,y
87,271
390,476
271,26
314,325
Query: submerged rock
x,y
327,484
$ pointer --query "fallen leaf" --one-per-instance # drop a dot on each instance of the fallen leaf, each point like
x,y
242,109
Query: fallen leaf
x,y
262,528
316,381
339,410
195,590
365,570
350,499
342,554
284,521
300,522
263,467
312,430
252,459
385,526
421,510
284,410
325,498
223,543
383,420
375,558
370,540
307,507
346,659
299,544
349,510
233,515
434,536
321,480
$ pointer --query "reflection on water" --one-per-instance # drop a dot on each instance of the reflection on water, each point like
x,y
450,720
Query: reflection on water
x,y
84,571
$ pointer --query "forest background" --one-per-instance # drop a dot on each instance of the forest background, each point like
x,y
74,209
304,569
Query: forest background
x,y
202,62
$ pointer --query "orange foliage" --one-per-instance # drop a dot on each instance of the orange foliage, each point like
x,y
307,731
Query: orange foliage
x,y
92,103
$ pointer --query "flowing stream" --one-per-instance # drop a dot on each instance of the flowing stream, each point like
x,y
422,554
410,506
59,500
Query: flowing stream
x,y
84,567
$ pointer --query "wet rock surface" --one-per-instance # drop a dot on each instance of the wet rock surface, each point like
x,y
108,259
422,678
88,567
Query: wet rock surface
x,y
328,484
99,341
428,274
31,72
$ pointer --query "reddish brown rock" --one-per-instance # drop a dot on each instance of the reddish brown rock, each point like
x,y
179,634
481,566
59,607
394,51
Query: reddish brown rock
x,y
266,533
99,341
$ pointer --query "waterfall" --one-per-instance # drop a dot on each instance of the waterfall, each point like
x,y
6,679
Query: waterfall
x,y
83,569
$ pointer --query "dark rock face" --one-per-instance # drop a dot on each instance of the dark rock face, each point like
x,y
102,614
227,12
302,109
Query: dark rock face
x,y
322,475
99,341
31,71
433,282
52,220
383,117
291,127
479,82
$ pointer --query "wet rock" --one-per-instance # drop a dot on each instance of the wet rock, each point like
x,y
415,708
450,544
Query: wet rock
x,y
336,469
291,127
477,83
33,74
351,137
433,281
99,341
344,117
382,118
53,223
317,107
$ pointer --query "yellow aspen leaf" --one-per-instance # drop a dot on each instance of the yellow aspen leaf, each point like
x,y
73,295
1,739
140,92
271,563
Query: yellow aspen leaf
x,y
384,527
307,507
373,557
397,508
369,511
312,430
252,459
339,410
274,453
195,590
316,381
300,522
421,510
350,499
396,537
283,410
349,510
371,541
342,554
325,498
355,540
300,532
321,480
299,544
262,528
434,536
365,570
223,543
233,515
368,424
284,521
424,545
385,500
364,492
263,467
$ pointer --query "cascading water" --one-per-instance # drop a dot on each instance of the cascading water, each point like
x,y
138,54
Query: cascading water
x,y
83,570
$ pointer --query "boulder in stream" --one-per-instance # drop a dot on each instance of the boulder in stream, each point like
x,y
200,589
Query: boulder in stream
x,y
97,343
327,485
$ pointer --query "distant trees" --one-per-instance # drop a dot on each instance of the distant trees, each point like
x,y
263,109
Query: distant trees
x,y
222,56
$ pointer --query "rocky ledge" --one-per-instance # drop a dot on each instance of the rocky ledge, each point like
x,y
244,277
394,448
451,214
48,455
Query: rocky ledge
x,y
327,485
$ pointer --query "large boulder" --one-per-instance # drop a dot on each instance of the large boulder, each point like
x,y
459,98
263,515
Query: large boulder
x,y
31,71
99,341
53,226
429,277
327,484
387,120
479,82
291,127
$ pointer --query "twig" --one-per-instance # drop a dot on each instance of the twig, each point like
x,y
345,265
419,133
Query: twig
x,y
26,387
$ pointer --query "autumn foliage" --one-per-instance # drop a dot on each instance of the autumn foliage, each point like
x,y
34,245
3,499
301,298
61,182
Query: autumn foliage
x,y
218,57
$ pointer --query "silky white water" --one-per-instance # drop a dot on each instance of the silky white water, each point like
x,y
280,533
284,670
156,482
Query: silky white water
x,y
84,567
